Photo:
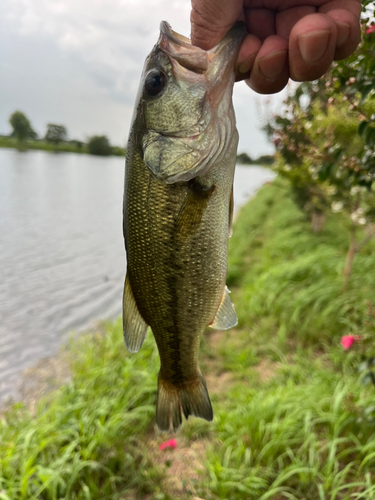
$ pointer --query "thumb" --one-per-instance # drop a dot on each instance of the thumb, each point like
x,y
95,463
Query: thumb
x,y
211,19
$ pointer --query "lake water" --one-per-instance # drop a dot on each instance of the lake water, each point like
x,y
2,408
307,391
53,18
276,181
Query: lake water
x,y
62,258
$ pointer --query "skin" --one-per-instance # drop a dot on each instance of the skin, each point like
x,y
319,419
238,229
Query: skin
x,y
295,39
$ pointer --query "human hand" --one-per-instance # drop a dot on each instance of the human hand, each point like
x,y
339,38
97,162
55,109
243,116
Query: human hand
x,y
295,39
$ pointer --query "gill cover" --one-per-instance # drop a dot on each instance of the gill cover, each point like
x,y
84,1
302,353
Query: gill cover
x,y
186,104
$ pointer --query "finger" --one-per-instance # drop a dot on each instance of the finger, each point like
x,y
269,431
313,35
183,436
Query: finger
x,y
270,71
348,33
286,19
353,6
312,46
211,20
260,22
346,15
246,57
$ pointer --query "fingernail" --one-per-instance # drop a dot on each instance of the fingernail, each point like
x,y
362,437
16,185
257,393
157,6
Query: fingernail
x,y
273,65
343,32
246,65
313,45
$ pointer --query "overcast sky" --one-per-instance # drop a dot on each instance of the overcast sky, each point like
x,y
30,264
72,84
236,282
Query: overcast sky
x,y
78,63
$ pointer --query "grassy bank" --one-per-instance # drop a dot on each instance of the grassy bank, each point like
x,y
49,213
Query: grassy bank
x,y
295,422
10,142
292,418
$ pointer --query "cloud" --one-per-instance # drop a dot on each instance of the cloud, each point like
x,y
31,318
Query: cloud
x,y
110,38
78,62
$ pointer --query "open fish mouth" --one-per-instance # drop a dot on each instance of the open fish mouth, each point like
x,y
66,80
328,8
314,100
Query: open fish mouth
x,y
196,59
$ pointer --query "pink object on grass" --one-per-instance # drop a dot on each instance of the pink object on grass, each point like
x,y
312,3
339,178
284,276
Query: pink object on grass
x,y
370,29
348,340
171,443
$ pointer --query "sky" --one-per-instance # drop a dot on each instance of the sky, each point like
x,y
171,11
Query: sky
x,y
78,63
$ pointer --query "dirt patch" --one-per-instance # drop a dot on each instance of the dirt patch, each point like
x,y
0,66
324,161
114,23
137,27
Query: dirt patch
x,y
218,381
215,339
266,369
181,466
218,384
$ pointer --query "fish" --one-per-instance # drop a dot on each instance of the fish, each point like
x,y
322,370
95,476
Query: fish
x,y
177,212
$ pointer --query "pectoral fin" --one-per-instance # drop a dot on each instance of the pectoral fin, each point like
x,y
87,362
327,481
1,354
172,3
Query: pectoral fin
x,y
193,208
226,316
135,327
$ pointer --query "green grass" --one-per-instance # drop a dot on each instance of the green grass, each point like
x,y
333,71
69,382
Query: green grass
x,y
85,440
296,422
287,273
307,433
293,419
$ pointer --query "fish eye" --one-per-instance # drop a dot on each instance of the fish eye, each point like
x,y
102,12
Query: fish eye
x,y
155,82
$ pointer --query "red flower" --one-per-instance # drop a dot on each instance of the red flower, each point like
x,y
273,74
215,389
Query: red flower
x,y
348,340
171,443
370,29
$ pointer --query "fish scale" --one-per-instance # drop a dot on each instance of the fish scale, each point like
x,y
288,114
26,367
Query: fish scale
x,y
176,223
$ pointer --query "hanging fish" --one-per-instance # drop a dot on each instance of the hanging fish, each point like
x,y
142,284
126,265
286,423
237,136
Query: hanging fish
x,y
178,206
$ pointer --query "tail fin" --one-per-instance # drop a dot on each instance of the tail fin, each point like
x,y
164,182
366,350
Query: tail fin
x,y
189,398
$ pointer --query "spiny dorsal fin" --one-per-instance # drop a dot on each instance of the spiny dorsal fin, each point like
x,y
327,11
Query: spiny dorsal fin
x,y
226,316
135,327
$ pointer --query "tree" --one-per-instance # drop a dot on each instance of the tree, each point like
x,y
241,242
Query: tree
x,y
244,159
77,144
325,140
265,160
56,133
99,145
21,125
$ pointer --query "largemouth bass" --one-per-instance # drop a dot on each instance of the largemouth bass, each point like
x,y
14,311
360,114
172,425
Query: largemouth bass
x,y
178,205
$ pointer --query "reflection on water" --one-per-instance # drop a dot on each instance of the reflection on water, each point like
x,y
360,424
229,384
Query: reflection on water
x,y
62,259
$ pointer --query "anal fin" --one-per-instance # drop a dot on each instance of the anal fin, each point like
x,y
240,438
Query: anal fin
x,y
135,327
226,316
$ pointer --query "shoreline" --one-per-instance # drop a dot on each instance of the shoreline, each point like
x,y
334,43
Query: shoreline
x,y
49,373
11,143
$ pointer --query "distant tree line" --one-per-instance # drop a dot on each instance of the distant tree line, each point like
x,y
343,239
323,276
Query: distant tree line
x,y
244,159
57,135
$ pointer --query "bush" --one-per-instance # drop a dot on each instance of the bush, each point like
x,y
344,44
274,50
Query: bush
x,y
99,145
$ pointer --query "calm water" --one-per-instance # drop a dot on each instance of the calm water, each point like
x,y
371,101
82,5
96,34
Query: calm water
x,y
62,260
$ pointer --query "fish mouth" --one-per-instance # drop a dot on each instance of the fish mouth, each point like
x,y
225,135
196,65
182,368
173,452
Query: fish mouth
x,y
179,49
237,31
173,36
219,59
